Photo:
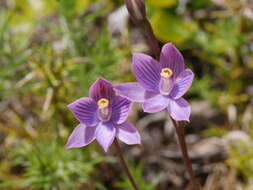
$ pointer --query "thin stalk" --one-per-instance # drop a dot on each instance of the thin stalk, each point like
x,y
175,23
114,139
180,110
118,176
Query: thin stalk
x,y
124,165
136,9
152,41
187,162
179,128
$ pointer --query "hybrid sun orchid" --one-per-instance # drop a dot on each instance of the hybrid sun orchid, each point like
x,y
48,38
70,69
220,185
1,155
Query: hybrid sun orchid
x,y
160,84
102,116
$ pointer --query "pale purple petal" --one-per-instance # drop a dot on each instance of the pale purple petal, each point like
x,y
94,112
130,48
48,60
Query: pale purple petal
x,y
101,89
105,134
128,134
85,110
147,71
179,109
120,109
155,104
81,136
133,91
182,84
171,58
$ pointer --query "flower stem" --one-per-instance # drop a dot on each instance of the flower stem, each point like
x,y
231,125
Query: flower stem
x,y
187,162
135,8
124,165
151,39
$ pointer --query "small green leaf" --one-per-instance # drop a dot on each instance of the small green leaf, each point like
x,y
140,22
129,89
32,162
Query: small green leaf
x,y
173,28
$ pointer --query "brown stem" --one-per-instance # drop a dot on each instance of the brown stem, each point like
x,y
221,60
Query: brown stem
x,y
154,46
124,165
152,41
136,9
187,162
137,12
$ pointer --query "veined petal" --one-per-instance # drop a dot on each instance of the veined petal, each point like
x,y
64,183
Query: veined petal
x,y
120,109
81,136
182,84
84,109
128,134
147,71
171,58
155,104
133,91
101,89
105,134
179,109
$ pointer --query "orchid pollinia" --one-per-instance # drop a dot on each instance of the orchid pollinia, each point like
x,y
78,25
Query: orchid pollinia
x,y
161,85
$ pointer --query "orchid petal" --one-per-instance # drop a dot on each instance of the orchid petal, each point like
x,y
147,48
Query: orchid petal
x,y
105,134
155,104
182,84
133,91
171,58
120,109
101,89
179,109
81,136
147,71
84,109
128,134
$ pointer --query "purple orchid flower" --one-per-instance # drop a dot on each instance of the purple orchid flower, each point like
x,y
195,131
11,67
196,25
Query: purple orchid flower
x,y
102,116
160,84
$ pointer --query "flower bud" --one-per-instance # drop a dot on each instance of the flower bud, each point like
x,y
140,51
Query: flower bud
x,y
136,9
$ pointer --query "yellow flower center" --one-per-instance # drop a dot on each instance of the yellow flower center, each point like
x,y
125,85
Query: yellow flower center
x,y
166,73
103,103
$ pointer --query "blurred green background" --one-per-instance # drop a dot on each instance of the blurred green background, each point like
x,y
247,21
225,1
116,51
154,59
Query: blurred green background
x,y
52,50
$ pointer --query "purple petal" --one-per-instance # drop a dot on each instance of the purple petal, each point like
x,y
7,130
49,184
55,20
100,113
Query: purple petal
x,y
171,58
101,89
84,109
81,136
182,84
133,91
105,134
179,109
147,71
120,109
155,104
128,134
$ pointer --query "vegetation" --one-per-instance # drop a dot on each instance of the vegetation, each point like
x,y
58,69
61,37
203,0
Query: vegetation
x,y
52,50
